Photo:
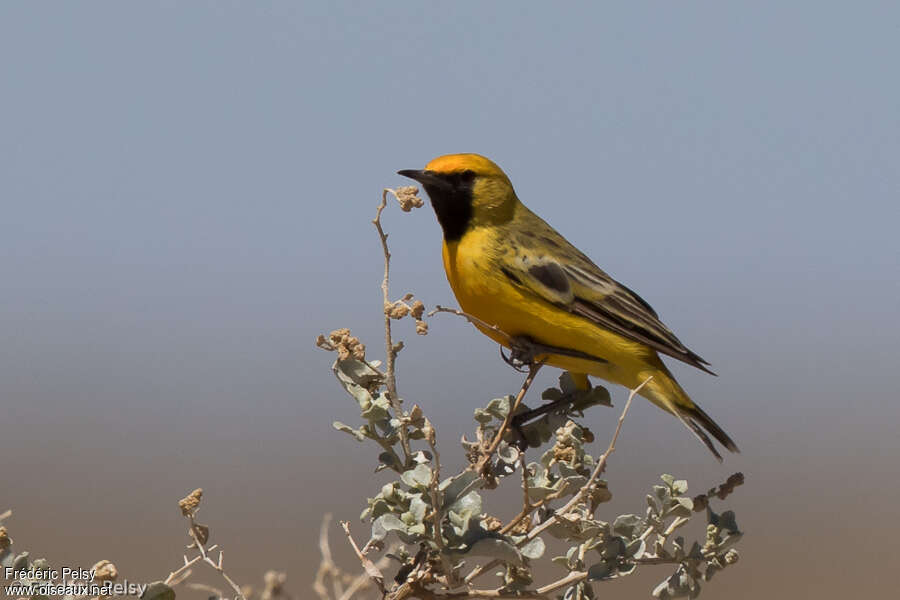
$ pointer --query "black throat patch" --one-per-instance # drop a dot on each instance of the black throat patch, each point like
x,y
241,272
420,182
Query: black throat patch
x,y
453,203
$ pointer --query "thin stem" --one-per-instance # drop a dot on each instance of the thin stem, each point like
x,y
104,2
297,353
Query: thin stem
x,y
217,565
601,465
171,579
373,572
390,351
326,565
471,319
529,379
389,346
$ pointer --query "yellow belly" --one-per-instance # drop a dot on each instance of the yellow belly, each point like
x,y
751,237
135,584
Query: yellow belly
x,y
485,293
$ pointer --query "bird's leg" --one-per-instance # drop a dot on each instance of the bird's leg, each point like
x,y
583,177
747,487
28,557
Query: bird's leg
x,y
523,353
522,419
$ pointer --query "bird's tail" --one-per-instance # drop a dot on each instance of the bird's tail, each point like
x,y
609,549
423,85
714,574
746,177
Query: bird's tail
x,y
665,392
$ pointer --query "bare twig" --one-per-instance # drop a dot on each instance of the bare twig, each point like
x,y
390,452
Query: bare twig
x,y
437,514
656,560
498,437
211,592
326,565
527,506
437,509
537,594
329,570
481,570
390,349
199,535
175,578
372,571
391,379
215,564
573,577
361,582
601,465
471,319
497,594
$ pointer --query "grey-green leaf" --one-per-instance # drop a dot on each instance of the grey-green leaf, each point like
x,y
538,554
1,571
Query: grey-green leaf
x,y
496,548
158,591
459,485
602,570
417,508
625,525
533,549
598,395
20,562
385,524
468,504
347,429
417,478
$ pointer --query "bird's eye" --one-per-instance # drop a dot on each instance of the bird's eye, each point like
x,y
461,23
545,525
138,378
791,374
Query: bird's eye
x,y
468,174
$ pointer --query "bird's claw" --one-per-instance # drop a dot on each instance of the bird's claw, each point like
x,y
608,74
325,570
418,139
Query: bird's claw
x,y
522,353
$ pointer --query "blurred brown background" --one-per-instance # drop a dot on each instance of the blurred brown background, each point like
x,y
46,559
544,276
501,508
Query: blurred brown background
x,y
186,197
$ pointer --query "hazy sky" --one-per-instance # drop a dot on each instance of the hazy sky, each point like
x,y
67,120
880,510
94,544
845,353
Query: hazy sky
x,y
187,191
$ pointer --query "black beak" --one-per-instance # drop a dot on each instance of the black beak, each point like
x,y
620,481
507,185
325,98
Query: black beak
x,y
426,178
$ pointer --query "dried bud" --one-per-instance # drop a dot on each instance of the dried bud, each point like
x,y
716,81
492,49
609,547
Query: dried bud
x,y
5,542
397,310
190,502
408,198
563,449
732,557
522,527
105,571
274,584
712,538
563,453
728,487
421,327
416,416
418,309
345,344
491,523
338,335
428,430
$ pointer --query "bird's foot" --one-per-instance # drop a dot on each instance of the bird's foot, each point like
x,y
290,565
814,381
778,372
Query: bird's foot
x,y
523,352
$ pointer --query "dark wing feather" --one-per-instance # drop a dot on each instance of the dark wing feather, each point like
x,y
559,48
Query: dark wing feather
x,y
569,279
617,316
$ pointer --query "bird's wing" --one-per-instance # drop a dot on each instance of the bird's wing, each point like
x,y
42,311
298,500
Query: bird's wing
x,y
559,273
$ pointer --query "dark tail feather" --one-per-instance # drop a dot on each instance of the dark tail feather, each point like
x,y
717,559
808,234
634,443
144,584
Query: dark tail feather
x,y
694,417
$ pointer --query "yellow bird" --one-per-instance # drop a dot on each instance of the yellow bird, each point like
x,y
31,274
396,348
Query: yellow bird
x,y
510,269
